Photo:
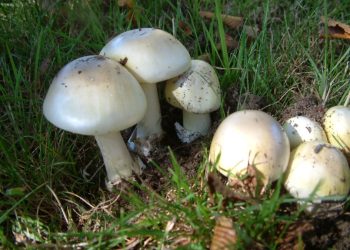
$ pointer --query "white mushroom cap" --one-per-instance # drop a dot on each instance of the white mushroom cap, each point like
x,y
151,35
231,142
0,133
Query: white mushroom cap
x,y
317,168
152,55
197,90
301,129
336,123
250,137
94,95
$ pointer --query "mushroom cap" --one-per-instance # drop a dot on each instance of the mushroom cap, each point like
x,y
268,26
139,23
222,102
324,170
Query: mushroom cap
x,y
336,123
196,91
94,95
151,55
301,128
250,137
319,168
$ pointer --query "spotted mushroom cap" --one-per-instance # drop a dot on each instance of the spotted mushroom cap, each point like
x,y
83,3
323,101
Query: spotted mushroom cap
x,y
197,90
317,168
336,123
94,95
151,55
301,128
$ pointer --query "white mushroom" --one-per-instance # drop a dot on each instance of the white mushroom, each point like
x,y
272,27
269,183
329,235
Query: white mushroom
x,y
197,93
94,95
301,129
336,123
254,138
319,170
152,56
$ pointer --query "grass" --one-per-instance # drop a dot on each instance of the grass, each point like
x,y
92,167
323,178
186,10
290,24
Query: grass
x,y
52,182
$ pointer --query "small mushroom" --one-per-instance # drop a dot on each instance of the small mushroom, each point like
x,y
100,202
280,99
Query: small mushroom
x,y
197,93
317,169
94,95
336,123
301,129
152,56
250,138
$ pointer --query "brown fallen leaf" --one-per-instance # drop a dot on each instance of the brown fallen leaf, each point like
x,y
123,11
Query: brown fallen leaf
x,y
230,21
126,3
333,29
185,28
230,43
216,186
224,236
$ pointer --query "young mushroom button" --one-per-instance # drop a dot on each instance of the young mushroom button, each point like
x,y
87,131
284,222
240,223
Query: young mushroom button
x,y
152,56
317,169
94,95
250,138
197,93
336,123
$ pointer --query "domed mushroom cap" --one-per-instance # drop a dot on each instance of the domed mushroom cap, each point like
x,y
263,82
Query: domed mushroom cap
x,y
196,91
152,55
336,123
94,95
250,137
301,129
317,167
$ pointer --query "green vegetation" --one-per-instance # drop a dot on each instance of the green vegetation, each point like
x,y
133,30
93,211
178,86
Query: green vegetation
x,y
52,182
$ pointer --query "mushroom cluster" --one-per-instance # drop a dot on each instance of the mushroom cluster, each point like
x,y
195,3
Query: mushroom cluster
x,y
101,95
310,156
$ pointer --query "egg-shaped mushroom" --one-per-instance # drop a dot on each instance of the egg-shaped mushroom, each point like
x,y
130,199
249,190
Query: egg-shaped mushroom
x,y
317,169
250,138
336,123
301,129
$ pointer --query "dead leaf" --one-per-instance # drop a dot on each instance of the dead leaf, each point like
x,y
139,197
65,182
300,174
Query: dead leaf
x,y
334,29
224,236
230,43
216,186
126,3
292,239
230,21
185,28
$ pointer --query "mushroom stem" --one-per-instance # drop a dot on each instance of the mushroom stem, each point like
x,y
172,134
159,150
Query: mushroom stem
x,y
116,156
199,123
150,125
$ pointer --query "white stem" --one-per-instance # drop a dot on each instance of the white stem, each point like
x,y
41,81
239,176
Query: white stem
x,y
151,122
199,123
116,156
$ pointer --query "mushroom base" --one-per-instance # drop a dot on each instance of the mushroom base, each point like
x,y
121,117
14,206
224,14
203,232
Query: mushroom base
x,y
117,159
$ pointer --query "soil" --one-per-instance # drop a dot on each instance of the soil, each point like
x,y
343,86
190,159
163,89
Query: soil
x,y
322,231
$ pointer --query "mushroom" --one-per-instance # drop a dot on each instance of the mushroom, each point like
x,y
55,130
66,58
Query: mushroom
x,y
197,93
250,138
152,56
336,123
317,169
301,129
94,95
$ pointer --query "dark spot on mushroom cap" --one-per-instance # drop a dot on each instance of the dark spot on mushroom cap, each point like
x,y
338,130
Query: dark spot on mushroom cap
x,y
123,61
